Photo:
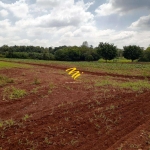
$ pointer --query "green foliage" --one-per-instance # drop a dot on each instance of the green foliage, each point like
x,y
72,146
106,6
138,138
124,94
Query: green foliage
x,y
68,54
130,85
36,81
107,51
22,55
75,53
132,52
146,55
26,52
26,117
13,93
12,65
89,58
61,55
4,80
7,123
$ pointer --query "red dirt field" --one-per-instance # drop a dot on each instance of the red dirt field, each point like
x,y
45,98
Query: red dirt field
x,y
58,113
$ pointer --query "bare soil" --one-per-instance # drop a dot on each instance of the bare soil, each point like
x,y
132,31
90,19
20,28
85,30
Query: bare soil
x,y
72,115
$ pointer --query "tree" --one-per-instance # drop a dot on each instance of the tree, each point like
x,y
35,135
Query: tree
x,y
89,58
85,43
132,52
146,55
107,51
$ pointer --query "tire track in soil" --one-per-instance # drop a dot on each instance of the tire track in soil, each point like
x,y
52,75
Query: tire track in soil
x,y
130,122
105,141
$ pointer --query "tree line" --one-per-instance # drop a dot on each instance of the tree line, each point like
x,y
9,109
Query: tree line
x,y
84,52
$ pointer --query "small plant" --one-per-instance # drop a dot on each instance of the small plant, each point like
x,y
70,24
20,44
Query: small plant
x,y
1,124
120,148
36,81
47,141
73,142
68,88
13,93
66,118
26,117
4,80
9,122
35,90
51,85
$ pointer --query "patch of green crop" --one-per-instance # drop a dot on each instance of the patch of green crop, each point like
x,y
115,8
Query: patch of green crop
x,y
12,93
134,85
12,65
7,123
4,80
121,66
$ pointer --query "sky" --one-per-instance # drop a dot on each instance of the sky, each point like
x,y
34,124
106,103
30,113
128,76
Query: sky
x,y
51,23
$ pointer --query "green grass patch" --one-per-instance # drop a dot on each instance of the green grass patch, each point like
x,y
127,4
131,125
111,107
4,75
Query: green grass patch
x,y
4,80
6,123
12,65
137,85
119,67
36,81
119,60
12,93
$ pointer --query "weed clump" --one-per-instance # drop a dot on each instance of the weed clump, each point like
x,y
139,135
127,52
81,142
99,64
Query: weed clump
x,y
36,81
12,93
4,80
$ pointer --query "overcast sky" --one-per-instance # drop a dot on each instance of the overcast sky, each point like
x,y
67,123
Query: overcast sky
x,y
70,22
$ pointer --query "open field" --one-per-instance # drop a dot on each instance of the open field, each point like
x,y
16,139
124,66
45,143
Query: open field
x,y
43,108
125,69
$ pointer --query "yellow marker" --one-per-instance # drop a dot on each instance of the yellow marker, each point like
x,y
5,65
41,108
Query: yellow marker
x,y
75,73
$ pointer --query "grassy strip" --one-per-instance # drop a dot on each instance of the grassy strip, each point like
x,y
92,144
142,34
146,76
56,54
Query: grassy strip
x,y
12,65
135,69
134,85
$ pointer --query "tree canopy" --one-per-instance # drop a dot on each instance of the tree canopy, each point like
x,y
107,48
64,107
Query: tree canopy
x,y
107,51
84,52
132,52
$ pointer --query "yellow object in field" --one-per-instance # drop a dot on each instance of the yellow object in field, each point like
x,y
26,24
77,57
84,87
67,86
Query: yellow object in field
x,y
74,73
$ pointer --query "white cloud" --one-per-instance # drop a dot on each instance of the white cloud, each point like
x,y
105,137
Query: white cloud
x,y
4,24
54,3
121,7
19,8
59,17
106,9
142,23
4,13
48,2
136,39
83,5
124,35
54,23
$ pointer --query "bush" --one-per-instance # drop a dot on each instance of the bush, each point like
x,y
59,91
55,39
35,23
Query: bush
x,y
132,52
89,58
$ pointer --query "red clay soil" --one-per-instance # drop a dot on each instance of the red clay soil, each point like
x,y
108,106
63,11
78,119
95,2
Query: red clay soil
x,y
68,115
